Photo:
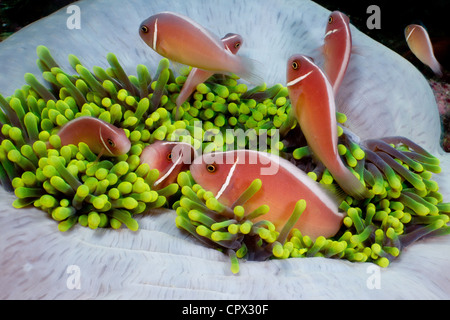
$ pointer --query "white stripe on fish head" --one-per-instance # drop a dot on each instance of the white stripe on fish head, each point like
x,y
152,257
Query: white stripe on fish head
x,y
229,37
230,41
297,80
228,179
410,32
155,34
330,32
105,145
168,172
115,137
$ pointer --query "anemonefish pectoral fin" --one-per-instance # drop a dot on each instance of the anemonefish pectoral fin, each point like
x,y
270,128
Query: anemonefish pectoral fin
x,y
351,184
179,67
252,70
360,50
320,50
99,155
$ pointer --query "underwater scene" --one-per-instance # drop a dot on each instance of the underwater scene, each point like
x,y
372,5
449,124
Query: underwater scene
x,y
242,150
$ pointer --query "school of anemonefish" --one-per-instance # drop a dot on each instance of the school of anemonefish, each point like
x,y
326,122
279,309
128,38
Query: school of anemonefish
x,y
182,40
311,90
312,93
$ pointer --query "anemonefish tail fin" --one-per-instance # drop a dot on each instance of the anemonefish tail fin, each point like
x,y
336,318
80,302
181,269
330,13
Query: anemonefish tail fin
x,y
437,69
351,184
360,50
252,71
180,68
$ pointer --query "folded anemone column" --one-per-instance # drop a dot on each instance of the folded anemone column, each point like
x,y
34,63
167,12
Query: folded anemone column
x,y
382,95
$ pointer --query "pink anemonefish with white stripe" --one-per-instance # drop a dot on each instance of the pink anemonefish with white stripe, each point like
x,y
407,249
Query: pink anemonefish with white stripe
x,y
228,174
102,137
314,107
337,48
180,39
420,44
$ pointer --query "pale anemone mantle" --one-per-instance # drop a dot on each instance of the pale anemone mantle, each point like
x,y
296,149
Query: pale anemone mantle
x,y
382,94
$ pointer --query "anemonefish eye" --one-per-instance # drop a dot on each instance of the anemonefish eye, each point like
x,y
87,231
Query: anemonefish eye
x,y
169,156
237,45
111,143
211,168
295,65
330,19
144,29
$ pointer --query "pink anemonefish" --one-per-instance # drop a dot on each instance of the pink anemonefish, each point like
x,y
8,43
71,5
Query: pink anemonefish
x,y
180,39
102,137
420,44
314,107
228,174
337,48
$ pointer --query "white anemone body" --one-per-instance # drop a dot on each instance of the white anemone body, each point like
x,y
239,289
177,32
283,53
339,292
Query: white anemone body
x,y
382,95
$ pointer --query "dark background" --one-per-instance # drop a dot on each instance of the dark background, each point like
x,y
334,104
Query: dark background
x,y
395,16
15,14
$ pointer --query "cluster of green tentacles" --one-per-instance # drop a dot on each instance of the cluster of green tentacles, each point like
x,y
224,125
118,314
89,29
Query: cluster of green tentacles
x,y
374,230
75,186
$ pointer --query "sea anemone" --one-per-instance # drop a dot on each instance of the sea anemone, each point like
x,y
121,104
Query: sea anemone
x,y
116,263
405,206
